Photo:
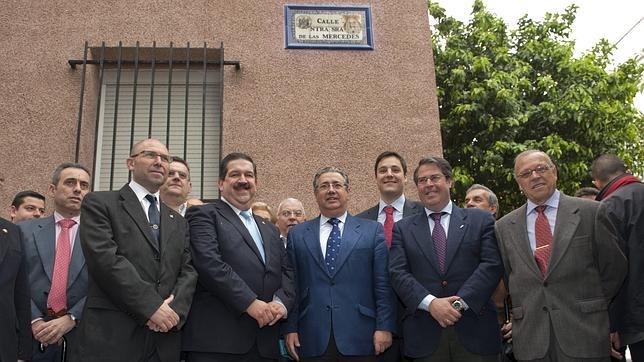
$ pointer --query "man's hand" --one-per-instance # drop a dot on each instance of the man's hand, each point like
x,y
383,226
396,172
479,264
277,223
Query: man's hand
x,y
443,312
506,331
278,310
164,318
381,341
261,312
292,341
52,331
615,344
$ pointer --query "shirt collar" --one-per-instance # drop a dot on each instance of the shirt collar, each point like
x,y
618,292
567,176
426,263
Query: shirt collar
x,y
398,204
553,202
447,209
141,191
58,217
236,210
342,218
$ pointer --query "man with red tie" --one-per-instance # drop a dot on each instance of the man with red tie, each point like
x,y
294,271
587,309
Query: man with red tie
x,y
56,266
391,176
563,267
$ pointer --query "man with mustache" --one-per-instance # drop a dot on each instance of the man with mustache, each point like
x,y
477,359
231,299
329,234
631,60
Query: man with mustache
x,y
178,186
563,266
290,212
141,280
245,281
56,265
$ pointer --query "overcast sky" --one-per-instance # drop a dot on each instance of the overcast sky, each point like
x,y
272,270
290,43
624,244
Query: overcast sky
x,y
596,19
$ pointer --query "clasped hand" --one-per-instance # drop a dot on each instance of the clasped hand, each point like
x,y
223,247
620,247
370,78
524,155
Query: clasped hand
x,y
443,311
164,319
266,313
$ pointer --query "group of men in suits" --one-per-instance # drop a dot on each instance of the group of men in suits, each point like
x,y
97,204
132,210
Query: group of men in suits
x,y
402,280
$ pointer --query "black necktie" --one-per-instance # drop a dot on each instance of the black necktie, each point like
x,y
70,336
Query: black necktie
x,y
153,216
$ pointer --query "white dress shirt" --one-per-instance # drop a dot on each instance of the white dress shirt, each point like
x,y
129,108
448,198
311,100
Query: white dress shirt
x,y
325,230
398,205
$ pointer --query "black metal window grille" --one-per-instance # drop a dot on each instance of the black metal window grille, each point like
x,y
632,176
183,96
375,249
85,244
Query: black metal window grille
x,y
173,94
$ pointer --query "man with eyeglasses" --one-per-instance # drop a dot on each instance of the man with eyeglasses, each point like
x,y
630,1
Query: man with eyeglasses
x,y
563,267
141,279
290,212
177,187
444,265
56,265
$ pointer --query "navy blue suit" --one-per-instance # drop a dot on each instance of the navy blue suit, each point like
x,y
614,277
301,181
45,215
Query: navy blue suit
x,y
354,301
473,269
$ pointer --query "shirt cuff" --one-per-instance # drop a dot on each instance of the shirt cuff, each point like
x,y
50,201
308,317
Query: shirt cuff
x,y
277,299
424,304
36,320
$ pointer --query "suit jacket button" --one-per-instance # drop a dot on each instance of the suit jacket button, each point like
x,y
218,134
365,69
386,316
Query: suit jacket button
x,y
545,309
545,284
328,307
444,283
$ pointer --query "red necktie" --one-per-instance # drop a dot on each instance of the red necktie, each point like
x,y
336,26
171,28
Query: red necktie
x,y
57,299
543,237
389,224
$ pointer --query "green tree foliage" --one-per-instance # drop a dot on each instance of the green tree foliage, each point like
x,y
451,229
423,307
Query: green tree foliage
x,y
503,91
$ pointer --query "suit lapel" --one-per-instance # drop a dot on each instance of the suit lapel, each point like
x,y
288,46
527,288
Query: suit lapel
x,y
77,262
312,242
410,208
168,225
5,238
521,241
456,230
133,207
45,239
265,231
423,237
350,237
567,222
229,214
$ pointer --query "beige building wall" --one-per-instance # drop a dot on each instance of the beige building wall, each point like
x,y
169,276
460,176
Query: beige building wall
x,y
292,110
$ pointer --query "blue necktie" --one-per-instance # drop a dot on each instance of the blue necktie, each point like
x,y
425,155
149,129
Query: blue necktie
x,y
333,245
249,221
153,216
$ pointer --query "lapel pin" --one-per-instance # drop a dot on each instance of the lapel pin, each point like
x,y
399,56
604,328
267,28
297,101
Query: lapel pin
x,y
460,227
171,216
4,231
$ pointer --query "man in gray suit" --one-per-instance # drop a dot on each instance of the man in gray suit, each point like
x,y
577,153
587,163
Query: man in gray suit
x,y
564,266
57,271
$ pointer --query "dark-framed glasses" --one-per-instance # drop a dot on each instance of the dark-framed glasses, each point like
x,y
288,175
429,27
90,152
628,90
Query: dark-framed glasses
x,y
151,155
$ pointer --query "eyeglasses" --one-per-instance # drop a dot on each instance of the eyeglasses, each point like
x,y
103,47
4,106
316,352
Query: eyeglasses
x,y
326,186
433,178
288,213
539,169
153,156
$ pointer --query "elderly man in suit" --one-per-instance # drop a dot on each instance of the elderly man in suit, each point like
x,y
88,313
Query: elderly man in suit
x,y
245,281
57,271
141,279
444,265
345,307
563,266
15,334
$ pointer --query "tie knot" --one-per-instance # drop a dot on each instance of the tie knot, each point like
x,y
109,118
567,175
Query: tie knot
x,y
334,221
66,223
541,208
436,216
246,214
389,210
152,199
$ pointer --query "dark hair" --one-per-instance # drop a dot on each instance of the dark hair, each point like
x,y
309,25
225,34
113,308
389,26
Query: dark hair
x,y
223,165
181,160
440,162
329,169
55,178
390,154
586,191
607,166
19,199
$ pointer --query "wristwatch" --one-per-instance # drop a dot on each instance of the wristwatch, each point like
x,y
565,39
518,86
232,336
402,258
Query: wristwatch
x,y
72,317
458,305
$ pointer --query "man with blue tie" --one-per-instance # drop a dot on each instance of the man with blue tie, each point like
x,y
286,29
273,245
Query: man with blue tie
x,y
245,282
444,265
57,270
345,307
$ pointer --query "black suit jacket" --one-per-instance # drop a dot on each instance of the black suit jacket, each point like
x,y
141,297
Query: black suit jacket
x,y
231,276
410,208
130,275
15,315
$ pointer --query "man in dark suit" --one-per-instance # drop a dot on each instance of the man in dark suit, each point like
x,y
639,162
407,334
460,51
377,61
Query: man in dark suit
x,y
245,281
622,196
141,280
27,205
15,334
57,271
390,170
563,267
345,307
444,265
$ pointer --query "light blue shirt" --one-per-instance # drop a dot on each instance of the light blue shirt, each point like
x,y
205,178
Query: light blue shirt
x,y
550,212
398,206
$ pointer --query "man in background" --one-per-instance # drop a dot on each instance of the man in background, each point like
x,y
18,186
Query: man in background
x,y
27,205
